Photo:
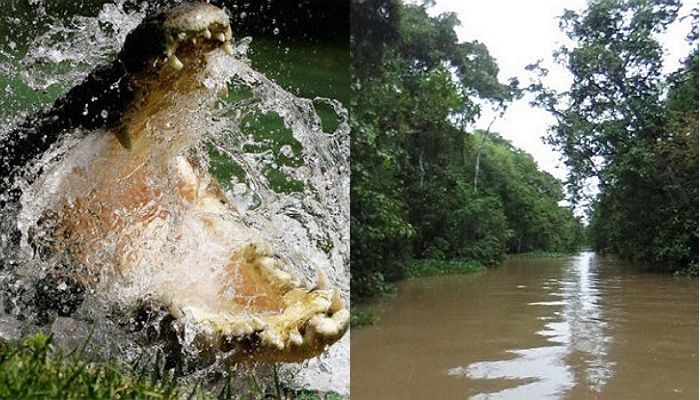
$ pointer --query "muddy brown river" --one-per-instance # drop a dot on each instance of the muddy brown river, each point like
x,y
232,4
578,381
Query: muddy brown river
x,y
583,327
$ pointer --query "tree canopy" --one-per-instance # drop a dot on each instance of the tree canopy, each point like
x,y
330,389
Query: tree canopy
x,y
416,91
632,129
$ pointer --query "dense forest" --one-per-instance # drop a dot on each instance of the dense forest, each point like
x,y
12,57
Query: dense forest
x,y
427,185
630,130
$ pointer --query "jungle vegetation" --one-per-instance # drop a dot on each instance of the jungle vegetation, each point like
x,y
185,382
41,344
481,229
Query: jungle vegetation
x,y
426,185
631,130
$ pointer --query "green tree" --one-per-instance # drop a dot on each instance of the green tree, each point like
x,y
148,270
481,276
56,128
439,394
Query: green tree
x,y
380,233
617,125
416,88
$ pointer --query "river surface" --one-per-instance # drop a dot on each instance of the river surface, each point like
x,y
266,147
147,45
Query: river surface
x,y
583,327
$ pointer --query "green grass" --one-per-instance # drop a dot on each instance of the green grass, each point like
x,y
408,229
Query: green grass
x,y
308,395
431,267
34,369
361,318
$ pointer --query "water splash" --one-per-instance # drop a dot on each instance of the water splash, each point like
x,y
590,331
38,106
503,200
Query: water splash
x,y
291,184
77,45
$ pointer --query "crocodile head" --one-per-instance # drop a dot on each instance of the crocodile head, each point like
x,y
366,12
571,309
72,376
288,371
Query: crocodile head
x,y
131,203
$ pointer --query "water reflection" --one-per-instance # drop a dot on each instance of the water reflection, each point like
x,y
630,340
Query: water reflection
x,y
577,337
585,327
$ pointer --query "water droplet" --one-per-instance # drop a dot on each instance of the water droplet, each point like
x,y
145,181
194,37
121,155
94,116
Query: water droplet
x,y
240,189
287,151
276,30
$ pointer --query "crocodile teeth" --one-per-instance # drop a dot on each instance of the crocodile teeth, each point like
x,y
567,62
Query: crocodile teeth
x,y
228,33
220,36
336,302
257,323
341,318
175,63
227,48
295,337
206,33
194,41
181,35
324,326
322,280
272,339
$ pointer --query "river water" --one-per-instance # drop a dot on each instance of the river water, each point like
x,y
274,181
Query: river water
x,y
583,327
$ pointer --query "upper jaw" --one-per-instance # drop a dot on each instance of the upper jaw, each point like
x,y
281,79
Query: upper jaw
x,y
169,36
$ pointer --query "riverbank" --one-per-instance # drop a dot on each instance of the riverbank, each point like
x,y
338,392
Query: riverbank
x,y
416,269
33,368
433,267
